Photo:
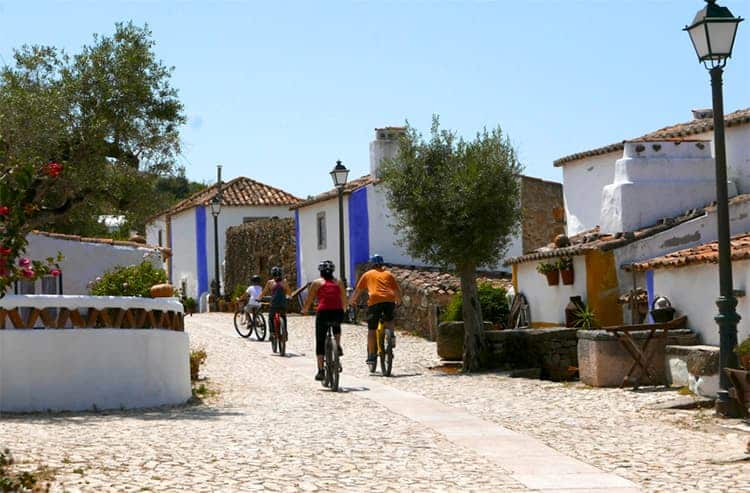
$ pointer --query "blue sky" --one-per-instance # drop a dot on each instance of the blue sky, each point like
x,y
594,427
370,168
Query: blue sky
x,y
277,91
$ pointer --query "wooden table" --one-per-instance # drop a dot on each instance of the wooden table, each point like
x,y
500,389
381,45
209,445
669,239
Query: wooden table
x,y
638,352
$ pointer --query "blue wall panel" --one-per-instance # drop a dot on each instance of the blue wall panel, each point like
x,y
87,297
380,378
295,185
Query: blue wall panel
x,y
359,231
650,293
201,255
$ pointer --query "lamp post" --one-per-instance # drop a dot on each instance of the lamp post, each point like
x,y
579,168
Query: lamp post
x,y
339,175
712,32
215,211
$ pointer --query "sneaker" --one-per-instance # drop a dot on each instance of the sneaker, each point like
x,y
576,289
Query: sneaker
x,y
371,357
320,375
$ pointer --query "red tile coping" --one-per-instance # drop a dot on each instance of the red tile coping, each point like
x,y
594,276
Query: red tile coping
x,y
437,282
702,254
351,186
106,241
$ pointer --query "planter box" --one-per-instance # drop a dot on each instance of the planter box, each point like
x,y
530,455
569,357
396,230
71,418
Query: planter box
x,y
450,340
695,367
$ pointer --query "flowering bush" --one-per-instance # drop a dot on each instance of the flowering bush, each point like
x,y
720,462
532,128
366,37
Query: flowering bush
x,y
22,190
133,280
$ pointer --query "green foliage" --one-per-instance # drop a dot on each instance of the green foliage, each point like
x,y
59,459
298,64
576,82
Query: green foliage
x,y
743,348
188,304
565,263
472,188
544,267
586,319
133,280
19,482
494,303
238,291
108,114
197,358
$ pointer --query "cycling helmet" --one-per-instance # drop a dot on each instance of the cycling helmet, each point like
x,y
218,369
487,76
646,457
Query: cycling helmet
x,y
326,266
376,259
276,272
255,279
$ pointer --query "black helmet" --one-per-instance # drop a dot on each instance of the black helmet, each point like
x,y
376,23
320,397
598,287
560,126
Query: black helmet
x,y
377,259
255,279
276,272
326,266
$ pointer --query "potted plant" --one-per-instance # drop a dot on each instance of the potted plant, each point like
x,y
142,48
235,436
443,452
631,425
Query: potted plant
x,y
549,270
189,305
743,353
565,265
586,319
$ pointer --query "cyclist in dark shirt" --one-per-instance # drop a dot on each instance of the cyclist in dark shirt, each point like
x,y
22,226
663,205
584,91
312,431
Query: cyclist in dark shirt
x,y
278,289
331,296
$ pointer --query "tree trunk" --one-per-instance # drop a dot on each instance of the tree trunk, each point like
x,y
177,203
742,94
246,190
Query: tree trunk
x,y
472,313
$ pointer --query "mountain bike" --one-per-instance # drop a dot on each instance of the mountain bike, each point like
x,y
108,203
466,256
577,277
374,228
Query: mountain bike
x,y
386,339
245,323
331,362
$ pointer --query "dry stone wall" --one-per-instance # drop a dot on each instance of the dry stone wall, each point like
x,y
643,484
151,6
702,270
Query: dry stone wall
x,y
255,247
543,212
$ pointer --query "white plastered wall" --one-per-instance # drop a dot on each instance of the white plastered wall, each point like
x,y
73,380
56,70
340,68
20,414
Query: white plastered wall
x,y
152,231
583,182
84,261
547,303
183,252
693,290
310,254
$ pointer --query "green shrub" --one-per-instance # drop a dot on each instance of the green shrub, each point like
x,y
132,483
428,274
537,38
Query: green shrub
x,y
492,300
197,358
238,291
12,481
134,280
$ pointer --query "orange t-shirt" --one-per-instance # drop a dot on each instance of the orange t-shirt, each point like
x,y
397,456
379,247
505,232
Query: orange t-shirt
x,y
380,285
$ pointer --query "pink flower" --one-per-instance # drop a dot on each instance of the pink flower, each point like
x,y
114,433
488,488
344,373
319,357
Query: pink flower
x,y
24,262
26,272
4,211
55,272
53,169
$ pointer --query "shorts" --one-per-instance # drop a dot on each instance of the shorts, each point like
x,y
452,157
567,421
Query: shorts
x,y
323,319
380,311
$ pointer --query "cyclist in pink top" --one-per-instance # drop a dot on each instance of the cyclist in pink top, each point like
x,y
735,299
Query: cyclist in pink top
x,y
331,296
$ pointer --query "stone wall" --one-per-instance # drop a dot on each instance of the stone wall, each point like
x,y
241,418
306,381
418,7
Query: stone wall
x,y
255,247
543,212
553,350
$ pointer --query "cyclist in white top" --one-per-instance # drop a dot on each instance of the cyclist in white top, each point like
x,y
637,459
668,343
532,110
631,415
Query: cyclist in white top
x,y
252,294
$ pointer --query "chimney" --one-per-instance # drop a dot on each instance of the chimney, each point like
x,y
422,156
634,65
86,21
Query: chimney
x,y
703,114
385,146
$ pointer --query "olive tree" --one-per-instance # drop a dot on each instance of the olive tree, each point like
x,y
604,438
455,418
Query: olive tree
x,y
456,203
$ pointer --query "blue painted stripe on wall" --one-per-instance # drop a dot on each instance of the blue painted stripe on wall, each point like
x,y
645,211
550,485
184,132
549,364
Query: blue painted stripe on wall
x,y
650,292
201,255
298,246
359,231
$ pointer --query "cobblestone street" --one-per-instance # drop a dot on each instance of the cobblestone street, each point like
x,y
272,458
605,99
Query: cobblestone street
x,y
271,427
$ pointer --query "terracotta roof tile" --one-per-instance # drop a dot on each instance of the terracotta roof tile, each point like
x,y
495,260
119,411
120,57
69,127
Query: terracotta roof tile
x,y
107,241
697,126
702,254
350,187
437,282
241,191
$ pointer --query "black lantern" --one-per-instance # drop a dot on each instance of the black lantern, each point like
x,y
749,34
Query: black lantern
x,y
712,32
216,205
339,175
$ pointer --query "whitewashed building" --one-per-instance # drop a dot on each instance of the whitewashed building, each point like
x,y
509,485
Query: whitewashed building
x,y
368,222
84,260
187,229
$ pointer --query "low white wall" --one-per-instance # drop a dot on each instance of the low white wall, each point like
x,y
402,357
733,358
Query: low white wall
x,y
693,291
547,303
77,369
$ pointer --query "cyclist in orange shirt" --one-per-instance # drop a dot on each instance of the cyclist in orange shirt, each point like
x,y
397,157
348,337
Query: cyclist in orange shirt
x,y
384,293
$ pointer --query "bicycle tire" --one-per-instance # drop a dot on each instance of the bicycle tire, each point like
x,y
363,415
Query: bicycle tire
x,y
241,324
327,364
274,333
388,367
282,337
335,367
260,326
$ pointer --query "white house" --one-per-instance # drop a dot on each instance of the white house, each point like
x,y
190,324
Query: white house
x,y
84,260
586,174
368,225
187,228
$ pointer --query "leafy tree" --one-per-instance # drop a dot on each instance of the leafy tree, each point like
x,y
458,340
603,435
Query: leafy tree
x,y
108,114
456,204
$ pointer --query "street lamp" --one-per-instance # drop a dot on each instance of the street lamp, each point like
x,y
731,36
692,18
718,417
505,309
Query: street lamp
x,y
339,175
215,211
712,32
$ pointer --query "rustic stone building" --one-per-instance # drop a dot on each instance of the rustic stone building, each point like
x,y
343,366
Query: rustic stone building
x,y
543,212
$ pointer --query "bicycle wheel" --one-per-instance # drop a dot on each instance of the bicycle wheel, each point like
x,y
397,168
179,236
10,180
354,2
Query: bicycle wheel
x,y
260,326
241,324
282,337
327,369
386,362
335,366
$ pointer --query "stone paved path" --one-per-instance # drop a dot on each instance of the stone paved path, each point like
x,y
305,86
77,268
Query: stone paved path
x,y
264,431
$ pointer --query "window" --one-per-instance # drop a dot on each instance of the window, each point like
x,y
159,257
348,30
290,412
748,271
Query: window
x,y
321,222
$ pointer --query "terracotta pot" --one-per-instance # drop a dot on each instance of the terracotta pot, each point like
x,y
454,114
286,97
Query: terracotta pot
x,y
744,361
553,277
161,290
568,276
